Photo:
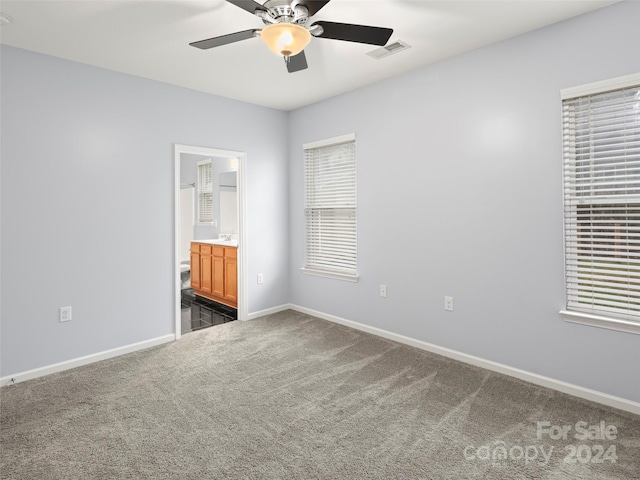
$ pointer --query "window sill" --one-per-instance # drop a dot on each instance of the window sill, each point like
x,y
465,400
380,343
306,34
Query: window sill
x,y
619,325
335,275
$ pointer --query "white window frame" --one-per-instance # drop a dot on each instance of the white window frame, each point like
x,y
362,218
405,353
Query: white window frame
x,y
200,192
337,257
576,310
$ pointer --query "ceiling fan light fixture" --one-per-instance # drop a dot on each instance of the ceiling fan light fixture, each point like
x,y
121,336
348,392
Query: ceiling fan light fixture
x,y
286,39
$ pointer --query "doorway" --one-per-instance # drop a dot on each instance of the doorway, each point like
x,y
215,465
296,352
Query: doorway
x,y
186,153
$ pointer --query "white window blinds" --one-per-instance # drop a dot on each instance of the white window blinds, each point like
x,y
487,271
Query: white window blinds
x,y
330,208
205,192
601,141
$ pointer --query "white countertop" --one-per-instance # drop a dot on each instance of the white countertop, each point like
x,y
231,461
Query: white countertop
x,y
219,241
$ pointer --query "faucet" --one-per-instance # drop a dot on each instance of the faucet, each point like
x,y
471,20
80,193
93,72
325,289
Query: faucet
x,y
225,236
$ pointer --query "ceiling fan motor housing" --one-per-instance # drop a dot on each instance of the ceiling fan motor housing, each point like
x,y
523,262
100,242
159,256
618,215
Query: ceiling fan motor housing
x,y
283,11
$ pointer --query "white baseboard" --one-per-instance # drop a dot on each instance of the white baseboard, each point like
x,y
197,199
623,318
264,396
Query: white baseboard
x,y
77,362
269,311
571,389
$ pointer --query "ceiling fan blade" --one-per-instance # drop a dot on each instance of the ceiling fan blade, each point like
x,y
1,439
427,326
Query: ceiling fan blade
x,y
313,6
248,5
225,39
355,33
297,62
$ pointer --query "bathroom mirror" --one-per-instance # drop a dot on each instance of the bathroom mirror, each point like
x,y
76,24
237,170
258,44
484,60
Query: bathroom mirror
x,y
228,203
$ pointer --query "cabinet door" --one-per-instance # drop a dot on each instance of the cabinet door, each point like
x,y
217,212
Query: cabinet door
x,y
218,276
205,273
231,279
195,267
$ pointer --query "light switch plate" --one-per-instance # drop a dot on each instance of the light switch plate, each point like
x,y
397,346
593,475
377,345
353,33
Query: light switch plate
x,y
448,304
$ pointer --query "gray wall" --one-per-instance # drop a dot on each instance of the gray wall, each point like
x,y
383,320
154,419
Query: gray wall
x,y
87,203
459,193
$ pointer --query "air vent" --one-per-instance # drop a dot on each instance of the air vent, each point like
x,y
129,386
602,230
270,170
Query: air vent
x,y
387,50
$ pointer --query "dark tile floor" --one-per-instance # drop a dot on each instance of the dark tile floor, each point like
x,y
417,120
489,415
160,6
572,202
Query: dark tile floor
x,y
199,313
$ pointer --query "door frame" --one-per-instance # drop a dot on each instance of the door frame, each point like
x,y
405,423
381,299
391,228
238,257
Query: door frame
x,y
242,244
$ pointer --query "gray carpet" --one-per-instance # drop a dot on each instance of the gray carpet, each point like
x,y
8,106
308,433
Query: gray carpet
x,y
289,396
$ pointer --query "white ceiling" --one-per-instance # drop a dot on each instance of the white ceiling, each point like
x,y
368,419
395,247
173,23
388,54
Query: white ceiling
x,y
150,38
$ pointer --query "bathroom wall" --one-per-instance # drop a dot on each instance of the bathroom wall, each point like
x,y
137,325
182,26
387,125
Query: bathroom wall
x,y
187,212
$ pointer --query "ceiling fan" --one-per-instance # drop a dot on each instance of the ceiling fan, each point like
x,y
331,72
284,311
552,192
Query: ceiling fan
x,y
287,32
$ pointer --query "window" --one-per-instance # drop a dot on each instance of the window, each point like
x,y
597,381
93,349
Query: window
x,y
330,208
205,192
601,144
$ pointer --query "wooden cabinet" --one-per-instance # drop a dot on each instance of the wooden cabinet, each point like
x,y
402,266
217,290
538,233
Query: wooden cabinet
x,y
205,269
217,272
214,272
195,266
231,276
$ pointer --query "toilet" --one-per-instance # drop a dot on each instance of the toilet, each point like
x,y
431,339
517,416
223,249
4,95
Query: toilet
x,y
185,275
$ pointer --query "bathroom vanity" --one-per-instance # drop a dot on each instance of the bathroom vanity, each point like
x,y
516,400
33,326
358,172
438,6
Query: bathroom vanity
x,y
214,271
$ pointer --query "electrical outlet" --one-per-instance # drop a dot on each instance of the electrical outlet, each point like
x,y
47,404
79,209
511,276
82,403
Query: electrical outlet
x,y
383,291
448,304
65,314
260,279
